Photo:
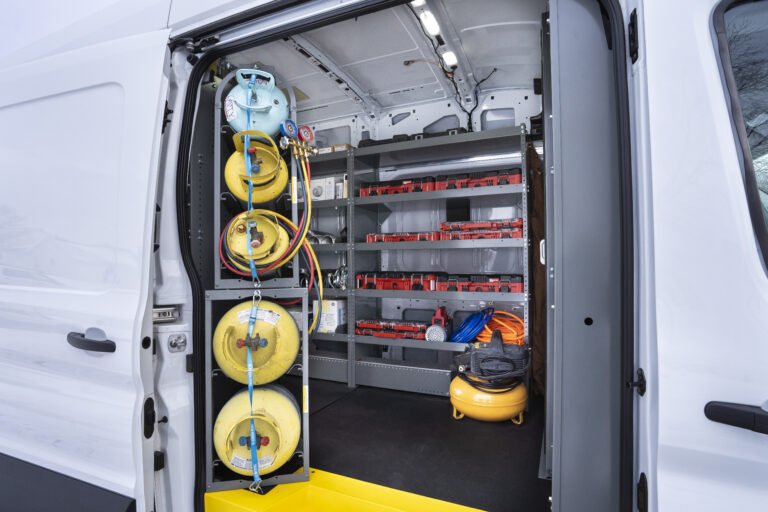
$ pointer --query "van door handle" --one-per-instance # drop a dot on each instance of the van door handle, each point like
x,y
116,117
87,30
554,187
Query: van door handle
x,y
750,417
94,340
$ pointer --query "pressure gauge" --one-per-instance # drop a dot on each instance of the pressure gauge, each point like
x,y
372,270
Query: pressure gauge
x,y
305,134
288,128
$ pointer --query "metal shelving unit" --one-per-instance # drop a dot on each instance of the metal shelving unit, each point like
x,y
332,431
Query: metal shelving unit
x,y
362,165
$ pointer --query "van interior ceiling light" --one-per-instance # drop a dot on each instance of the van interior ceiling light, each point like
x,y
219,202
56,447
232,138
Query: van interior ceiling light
x,y
450,59
418,3
430,23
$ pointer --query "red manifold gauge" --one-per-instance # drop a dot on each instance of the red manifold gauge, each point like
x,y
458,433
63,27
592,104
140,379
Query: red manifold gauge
x,y
305,134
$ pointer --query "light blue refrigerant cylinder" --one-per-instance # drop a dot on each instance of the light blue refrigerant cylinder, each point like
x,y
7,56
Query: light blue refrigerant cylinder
x,y
269,107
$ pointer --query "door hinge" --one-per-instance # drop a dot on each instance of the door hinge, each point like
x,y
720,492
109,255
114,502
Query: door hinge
x,y
190,363
632,36
642,493
159,460
639,383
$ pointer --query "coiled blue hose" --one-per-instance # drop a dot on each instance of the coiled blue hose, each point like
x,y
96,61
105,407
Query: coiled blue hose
x,y
471,326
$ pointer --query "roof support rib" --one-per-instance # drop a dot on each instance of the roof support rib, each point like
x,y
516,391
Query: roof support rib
x,y
342,79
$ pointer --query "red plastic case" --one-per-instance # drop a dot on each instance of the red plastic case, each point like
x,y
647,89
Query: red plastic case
x,y
481,235
391,334
402,237
396,281
480,283
479,225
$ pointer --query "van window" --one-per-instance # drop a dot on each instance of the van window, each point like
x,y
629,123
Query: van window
x,y
746,28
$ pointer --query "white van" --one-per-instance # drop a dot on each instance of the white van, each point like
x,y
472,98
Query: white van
x,y
640,129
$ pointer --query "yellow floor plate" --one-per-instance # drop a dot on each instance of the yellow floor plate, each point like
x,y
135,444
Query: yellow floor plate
x,y
327,492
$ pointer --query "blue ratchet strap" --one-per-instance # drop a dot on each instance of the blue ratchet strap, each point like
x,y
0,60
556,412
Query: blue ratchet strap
x,y
254,274
249,169
254,441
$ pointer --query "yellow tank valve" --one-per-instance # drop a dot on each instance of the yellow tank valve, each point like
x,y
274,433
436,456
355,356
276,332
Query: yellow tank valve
x,y
274,344
277,421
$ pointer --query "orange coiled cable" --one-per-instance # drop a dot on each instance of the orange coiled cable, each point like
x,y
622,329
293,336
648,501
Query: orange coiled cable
x,y
511,326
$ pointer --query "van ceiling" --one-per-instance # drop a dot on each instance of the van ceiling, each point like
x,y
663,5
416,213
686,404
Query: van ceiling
x,y
371,52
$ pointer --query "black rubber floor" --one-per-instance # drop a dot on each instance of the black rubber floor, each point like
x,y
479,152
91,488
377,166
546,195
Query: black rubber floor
x,y
410,442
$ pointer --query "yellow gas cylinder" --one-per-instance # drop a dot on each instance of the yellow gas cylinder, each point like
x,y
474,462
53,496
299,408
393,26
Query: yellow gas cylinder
x,y
487,405
271,177
277,346
277,420
269,240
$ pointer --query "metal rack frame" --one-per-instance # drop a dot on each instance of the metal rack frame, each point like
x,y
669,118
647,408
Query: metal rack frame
x,y
303,366
221,282
390,374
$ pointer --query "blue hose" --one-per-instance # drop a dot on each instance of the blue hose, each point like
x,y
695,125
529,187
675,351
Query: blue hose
x,y
471,326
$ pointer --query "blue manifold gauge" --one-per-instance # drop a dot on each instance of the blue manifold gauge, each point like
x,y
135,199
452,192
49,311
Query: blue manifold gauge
x,y
288,129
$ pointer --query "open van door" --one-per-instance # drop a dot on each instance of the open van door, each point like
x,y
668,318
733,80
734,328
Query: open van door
x,y
77,203
704,415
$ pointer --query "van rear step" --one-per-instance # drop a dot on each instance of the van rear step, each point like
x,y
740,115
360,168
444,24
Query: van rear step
x,y
327,492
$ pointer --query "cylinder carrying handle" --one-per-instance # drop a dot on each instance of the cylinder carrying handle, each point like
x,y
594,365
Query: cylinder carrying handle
x,y
243,77
263,103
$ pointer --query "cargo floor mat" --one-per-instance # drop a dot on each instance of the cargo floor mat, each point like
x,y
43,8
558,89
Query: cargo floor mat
x,y
409,442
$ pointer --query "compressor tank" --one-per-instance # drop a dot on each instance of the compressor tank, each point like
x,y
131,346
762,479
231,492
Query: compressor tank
x,y
487,405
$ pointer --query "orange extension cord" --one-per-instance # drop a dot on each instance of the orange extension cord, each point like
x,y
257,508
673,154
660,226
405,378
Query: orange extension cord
x,y
512,328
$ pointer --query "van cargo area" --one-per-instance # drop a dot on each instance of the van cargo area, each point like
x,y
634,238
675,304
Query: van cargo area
x,y
376,234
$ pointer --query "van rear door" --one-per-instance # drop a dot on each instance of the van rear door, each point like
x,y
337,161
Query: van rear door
x,y
79,138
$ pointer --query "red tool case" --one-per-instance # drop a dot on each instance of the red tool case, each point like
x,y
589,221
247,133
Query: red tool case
x,y
477,225
480,179
392,325
482,235
426,184
391,334
480,283
396,281
402,237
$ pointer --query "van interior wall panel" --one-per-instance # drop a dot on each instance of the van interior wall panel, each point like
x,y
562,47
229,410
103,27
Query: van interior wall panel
x,y
587,268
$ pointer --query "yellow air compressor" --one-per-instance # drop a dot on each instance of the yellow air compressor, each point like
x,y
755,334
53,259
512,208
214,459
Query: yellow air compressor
x,y
488,386
277,421
269,241
470,397
272,175
275,342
